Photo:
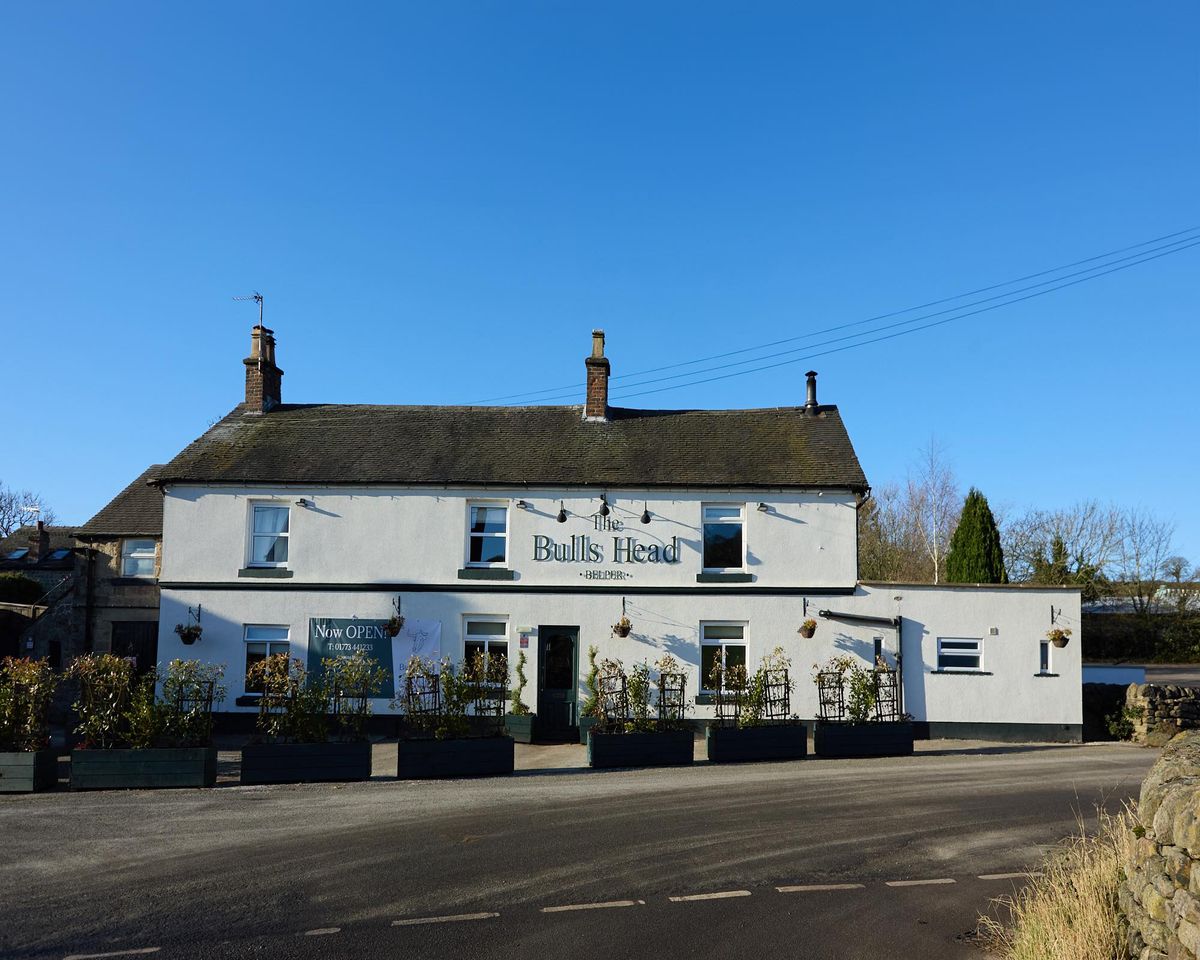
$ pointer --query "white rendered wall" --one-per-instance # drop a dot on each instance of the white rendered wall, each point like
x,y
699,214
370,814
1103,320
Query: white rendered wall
x,y
394,535
1008,693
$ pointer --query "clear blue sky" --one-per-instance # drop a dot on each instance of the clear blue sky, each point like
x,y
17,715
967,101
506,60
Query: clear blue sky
x,y
441,200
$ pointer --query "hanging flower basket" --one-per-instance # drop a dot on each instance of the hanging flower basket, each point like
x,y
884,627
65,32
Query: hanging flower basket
x,y
190,633
622,627
394,625
1058,637
808,628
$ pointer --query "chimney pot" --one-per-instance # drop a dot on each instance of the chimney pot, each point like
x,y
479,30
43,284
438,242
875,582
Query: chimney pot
x,y
595,406
39,543
810,400
263,387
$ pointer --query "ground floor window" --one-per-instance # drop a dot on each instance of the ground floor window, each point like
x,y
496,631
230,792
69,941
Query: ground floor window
x,y
960,654
1044,657
485,636
727,640
263,642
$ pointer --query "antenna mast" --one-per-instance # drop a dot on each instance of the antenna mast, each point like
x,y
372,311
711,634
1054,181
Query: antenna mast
x,y
257,298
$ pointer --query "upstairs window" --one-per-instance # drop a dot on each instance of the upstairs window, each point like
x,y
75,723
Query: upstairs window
x,y
263,642
717,639
137,558
723,541
485,636
269,535
487,535
960,654
18,554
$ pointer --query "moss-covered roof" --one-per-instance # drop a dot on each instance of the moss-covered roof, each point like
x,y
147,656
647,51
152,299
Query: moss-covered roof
x,y
136,510
543,445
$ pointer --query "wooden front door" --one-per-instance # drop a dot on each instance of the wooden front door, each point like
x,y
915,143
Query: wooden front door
x,y
558,683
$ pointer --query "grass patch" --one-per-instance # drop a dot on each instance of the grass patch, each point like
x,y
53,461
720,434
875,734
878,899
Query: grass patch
x,y
1070,911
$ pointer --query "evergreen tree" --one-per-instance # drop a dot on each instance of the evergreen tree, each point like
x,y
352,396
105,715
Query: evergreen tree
x,y
975,554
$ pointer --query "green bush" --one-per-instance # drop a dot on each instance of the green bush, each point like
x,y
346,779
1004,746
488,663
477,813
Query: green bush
x,y
18,588
26,687
352,681
519,707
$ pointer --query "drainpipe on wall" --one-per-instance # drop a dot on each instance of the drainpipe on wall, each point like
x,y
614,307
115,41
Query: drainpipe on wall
x,y
89,605
899,622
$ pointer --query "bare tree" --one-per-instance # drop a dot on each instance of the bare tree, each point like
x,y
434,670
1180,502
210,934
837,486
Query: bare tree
x,y
21,507
1076,544
1180,577
933,503
887,546
1144,548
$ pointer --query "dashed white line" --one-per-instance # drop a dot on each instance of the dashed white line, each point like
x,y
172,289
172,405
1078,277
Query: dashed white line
x,y
322,931
414,921
819,887
606,905
918,883
1007,876
723,895
139,952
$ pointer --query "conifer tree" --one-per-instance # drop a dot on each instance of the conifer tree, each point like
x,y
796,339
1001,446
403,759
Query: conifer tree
x,y
975,554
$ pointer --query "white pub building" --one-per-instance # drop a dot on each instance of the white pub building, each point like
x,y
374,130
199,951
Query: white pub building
x,y
304,527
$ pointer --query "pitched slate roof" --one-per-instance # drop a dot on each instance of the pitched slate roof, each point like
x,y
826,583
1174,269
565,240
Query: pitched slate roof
x,y
358,444
60,538
136,510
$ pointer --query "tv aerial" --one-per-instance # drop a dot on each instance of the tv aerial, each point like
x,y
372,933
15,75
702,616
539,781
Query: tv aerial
x,y
257,298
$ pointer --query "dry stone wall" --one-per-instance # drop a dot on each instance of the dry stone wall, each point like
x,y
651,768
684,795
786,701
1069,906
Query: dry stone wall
x,y
1160,892
1160,711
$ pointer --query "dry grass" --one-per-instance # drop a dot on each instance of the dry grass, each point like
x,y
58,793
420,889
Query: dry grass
x,y
1069,912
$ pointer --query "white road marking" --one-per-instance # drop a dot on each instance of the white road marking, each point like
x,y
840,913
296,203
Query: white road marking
x,y
593,906
322,931
1007,876
451,919
140,951
917,883
723,895
818,887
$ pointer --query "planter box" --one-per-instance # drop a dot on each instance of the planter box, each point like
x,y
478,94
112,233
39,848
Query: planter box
x,y
522,728
863,739
29,771
333,762
669,748
585,726
438,759
143,769
776,741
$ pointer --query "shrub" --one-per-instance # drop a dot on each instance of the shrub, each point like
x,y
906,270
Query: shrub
x,y
519,707
293,708
639,697
591,705
756,705
350,683
105,689
190,688
436,698
26,687
1069,910
18,588
1121,721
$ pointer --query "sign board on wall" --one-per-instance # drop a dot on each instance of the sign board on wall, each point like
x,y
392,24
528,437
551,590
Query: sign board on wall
x,y
335,637
338,637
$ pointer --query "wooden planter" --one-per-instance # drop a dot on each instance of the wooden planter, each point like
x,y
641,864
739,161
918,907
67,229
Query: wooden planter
x,y
333,762
521,727
863,739
143,769
776,741
668,748
441,759
585,726
29,771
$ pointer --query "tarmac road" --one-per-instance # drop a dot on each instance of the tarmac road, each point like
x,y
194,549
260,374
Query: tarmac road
x,y
875,858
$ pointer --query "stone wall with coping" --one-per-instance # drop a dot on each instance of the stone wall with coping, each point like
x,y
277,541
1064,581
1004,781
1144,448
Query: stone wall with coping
x,y
1163,710
1160,891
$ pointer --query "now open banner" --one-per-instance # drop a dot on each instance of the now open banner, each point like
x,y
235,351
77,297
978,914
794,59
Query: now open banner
x,y
341,637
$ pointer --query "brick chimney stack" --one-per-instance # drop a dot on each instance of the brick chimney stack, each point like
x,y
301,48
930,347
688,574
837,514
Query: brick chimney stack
x,y
39,544
262,376
595,406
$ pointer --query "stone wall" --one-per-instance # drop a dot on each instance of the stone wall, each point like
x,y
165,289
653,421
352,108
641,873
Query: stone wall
x,y
1160,893
1164,710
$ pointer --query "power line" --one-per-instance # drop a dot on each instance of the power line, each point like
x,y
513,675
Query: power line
x,y
891,336
551,392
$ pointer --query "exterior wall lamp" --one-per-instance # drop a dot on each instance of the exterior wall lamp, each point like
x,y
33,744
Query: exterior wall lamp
x,y
763,508
645,513
604,505
562,513
524,505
